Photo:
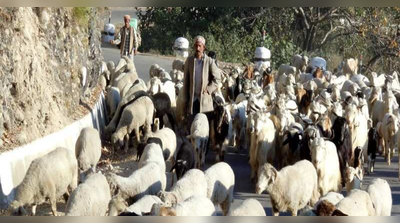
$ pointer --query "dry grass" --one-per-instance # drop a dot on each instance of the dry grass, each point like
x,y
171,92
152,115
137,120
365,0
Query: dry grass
x,y
9,137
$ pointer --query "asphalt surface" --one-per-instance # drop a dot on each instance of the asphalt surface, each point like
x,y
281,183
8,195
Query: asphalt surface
x,y
142,61
244,188
117,15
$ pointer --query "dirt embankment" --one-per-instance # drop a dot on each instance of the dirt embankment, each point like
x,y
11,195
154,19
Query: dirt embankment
x,y
42,52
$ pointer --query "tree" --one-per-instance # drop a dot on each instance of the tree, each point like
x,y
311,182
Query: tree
x,y
234,33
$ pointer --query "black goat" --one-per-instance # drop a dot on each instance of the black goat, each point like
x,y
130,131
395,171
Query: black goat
x,y
358,157
373,144
219,128
341,139
295,140
185,160
162,104
306,100
212,54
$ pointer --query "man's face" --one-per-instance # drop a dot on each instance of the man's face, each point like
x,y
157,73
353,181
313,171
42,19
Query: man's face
x,y
127,20
199,48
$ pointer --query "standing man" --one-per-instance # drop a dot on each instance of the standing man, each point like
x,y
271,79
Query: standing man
x,y
201,79
128,38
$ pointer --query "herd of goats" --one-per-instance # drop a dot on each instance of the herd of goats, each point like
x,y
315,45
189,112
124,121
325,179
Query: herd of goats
x,y
308,133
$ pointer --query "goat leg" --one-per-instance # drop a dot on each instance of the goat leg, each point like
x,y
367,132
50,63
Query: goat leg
x,y
66,196
53,203
126,141
137,135
34,209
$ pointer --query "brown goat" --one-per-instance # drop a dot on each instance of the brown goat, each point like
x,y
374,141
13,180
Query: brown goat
x,y
326,208
268,79
249,72
300,93
167,211
318,73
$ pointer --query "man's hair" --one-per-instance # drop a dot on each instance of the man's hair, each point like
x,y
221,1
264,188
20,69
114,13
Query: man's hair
x,y
200,39
127,17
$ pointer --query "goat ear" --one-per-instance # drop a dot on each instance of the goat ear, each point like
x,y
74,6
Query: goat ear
x,y
274,175
175,198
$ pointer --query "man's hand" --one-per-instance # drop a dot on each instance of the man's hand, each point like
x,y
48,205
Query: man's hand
x,y
112,41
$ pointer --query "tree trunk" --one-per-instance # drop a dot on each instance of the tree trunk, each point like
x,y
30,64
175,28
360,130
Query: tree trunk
x,y
372,62
309,39
312,36
305,43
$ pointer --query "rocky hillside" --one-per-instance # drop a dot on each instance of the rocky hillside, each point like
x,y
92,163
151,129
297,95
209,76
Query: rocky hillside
x,y
42,52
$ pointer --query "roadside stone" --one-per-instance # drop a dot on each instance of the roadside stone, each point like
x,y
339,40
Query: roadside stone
x,y
44,18
7,121
22,138
19,116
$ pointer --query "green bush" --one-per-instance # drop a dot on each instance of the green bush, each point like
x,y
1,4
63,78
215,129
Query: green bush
x,y
233,38
234,33
81,16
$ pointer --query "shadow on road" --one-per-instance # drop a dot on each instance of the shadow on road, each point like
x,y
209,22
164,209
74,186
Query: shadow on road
x,y
108,45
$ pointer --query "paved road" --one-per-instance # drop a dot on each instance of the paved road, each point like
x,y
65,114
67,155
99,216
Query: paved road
x,y
117,14
142,61
244,189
